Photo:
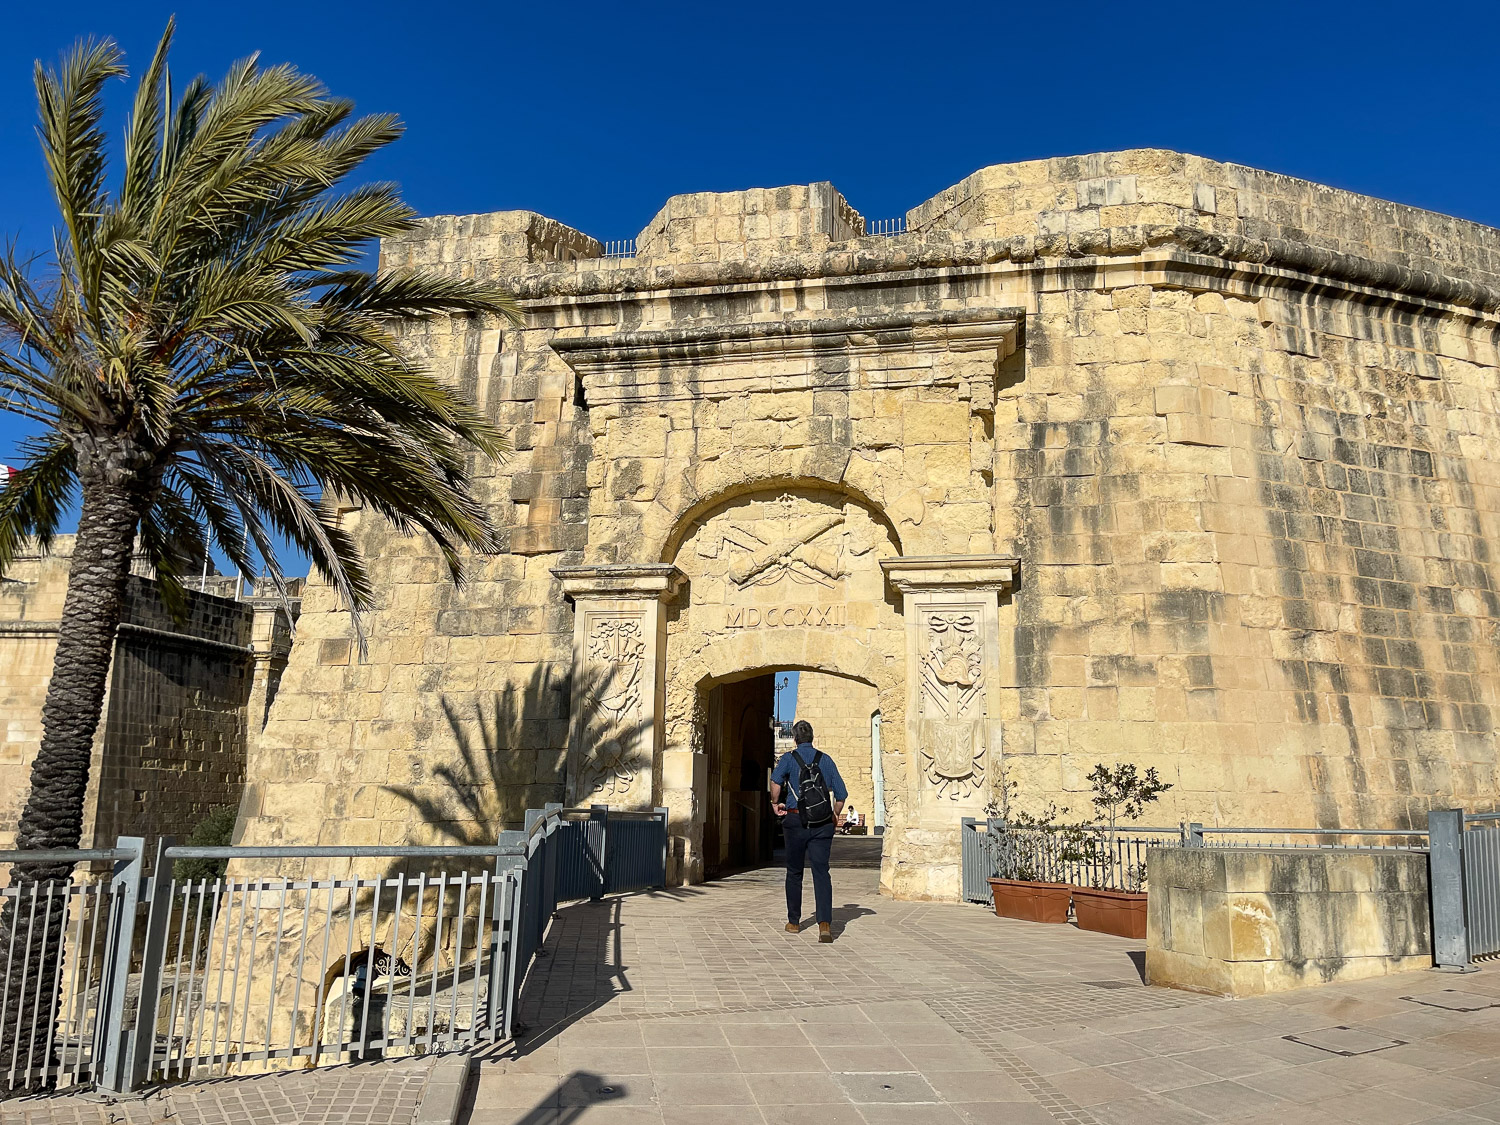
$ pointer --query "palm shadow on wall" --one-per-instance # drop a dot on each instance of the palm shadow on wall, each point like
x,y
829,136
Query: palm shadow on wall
x,y
508,753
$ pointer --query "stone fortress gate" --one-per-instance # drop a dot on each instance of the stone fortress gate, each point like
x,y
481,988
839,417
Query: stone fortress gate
x,y
1133,456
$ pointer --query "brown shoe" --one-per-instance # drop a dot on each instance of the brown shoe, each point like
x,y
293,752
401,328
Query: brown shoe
x,y
825,933
793,928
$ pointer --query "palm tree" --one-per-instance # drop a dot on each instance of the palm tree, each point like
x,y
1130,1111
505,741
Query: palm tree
x,y
204,364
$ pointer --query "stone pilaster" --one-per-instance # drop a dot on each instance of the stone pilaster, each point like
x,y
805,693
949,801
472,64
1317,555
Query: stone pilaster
x,y
618,692
951,606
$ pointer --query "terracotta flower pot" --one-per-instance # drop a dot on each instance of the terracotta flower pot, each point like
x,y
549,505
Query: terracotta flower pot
x,y
1031,902
1122,913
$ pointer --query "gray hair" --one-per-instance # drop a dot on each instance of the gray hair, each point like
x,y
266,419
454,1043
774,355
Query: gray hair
x,y
802,731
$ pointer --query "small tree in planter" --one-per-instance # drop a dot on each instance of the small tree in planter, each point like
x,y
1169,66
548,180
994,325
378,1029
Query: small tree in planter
x,y
1119,793
1032,848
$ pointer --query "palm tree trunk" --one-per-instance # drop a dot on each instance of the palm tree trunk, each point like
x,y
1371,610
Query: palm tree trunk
x,y
53,814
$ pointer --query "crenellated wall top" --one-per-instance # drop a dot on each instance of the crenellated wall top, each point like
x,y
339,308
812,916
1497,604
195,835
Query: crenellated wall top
x,y
1065,208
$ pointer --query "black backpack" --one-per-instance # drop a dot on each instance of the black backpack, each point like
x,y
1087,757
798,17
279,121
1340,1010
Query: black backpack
x,y
813,801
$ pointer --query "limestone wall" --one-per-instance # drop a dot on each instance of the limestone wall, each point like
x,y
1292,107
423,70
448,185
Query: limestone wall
x,y
1212,454
1112,202
1243,922
31,597
1258,534
172,740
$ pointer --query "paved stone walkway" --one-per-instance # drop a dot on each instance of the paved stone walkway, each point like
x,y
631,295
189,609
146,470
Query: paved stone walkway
x,y
690,1006
372,1093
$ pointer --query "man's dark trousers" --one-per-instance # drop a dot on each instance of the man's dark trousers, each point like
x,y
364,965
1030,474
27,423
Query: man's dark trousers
x,y
803,844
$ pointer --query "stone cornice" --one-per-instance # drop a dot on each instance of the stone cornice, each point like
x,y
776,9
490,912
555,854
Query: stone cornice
x,y
633,581
938,573
931,252
907,331
27,627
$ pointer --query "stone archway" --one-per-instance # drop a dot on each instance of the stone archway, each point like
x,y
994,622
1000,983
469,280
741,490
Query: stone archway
x,y
734,731
787,577
799,576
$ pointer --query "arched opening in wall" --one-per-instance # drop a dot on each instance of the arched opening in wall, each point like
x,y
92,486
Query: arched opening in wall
x,y
743,740
843,713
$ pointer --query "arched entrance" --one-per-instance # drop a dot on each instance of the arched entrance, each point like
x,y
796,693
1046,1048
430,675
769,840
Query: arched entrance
x,y
787,578
804,577
740,745
739,748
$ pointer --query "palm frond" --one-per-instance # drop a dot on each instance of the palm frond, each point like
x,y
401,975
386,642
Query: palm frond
x,y
208,325
144,133
71,104
35,499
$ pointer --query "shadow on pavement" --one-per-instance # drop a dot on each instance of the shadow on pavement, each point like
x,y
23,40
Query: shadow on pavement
x,y
566,1102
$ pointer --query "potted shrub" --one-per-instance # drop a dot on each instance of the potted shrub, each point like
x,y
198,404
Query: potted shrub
x,y
1122,792
1028,852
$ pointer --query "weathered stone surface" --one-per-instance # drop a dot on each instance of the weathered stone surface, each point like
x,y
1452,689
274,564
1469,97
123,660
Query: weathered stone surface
x,y
184,698
1237,431
1241,922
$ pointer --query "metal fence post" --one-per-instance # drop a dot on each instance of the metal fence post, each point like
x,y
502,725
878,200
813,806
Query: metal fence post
x,y
511,872
1192,834
662,813
599,822
1445,880
153,954
109,1019
549,873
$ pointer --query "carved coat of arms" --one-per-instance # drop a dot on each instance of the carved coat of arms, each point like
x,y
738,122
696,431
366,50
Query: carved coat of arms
x,y
616,652
787,546
952,668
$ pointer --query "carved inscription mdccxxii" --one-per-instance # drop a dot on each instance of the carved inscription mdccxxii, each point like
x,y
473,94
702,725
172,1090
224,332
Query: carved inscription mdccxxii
x,y
786,617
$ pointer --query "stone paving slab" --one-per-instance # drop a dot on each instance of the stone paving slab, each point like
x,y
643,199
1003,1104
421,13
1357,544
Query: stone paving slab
x,y
692,1006
371,1093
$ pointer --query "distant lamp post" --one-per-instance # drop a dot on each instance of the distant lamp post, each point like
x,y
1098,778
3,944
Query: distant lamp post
x,y
781,685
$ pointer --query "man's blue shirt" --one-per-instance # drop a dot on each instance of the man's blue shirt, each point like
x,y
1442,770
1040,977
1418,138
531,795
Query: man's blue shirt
x,y
788,773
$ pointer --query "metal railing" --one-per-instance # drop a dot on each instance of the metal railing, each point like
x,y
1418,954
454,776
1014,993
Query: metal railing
x,y
167,978
885,228
1479,847
1090,856
620,248
62,928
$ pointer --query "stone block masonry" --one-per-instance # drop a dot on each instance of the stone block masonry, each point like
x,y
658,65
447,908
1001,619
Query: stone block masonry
x,y
183,699
1242,921
1127,457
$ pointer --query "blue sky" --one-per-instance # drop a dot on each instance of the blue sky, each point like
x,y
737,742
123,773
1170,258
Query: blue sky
x,y
594,113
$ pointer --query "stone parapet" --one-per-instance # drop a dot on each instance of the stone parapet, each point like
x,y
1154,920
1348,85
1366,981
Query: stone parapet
x,y
1242,922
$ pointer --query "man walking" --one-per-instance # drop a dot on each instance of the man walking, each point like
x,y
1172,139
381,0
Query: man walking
x,y
808,792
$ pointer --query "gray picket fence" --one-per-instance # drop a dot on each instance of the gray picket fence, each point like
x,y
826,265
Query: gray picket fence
x,y
161,978
1090,856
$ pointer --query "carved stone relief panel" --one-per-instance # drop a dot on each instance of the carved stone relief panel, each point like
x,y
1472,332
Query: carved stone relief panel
x,y
952,625
615,724
951,698
612,673
798,559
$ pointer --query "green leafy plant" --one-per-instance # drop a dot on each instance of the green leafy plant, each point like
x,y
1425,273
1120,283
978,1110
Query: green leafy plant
x,y
205,364
216,830
1036,847
1123,792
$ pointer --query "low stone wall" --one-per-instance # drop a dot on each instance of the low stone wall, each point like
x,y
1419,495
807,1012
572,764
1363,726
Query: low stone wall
x,y
1241,922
